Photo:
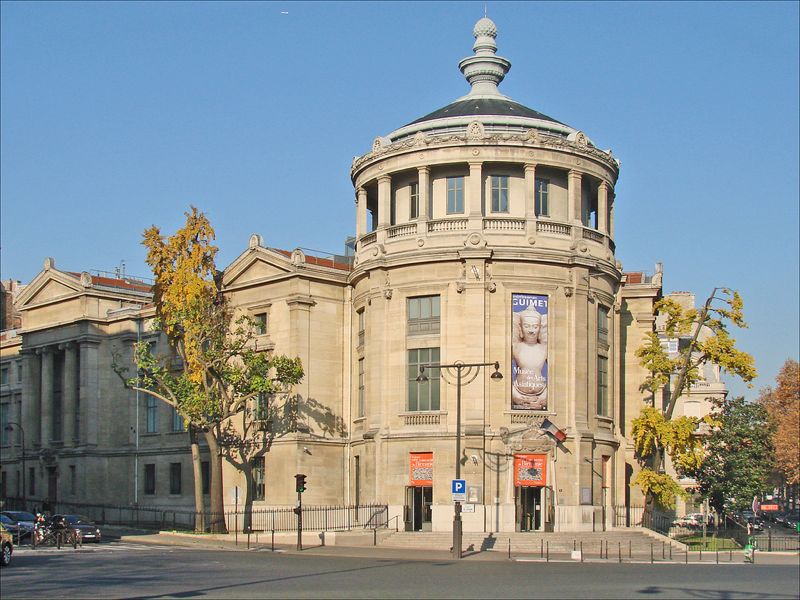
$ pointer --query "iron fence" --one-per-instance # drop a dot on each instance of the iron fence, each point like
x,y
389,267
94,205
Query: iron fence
x,y
315,518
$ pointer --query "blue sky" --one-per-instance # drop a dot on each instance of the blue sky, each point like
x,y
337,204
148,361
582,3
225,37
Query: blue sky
x,y
115,116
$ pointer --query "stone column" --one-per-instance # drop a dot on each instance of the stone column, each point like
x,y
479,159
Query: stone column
x,y
46,421
361,212
31,379
89,392
574,191
423,187
474,192
602,207
69,393
384,200
611,216
530,192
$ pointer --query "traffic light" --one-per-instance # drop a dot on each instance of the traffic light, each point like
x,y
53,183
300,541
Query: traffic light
x,y
300,486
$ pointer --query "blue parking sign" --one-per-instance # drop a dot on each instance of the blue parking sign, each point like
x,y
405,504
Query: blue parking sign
x,y
459,490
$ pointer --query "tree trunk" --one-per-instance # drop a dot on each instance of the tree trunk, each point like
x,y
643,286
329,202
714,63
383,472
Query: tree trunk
x,y
217,503
199,508
248,496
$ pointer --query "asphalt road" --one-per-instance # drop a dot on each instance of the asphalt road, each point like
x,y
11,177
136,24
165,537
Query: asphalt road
x,y
119,570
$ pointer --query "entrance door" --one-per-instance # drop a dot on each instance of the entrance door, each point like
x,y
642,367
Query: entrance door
x,y
418,510
529,508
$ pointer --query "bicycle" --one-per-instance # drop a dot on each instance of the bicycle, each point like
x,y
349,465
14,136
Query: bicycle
x,y
58,537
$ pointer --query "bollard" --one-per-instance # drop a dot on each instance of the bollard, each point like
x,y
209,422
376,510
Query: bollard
x,y
619,551
663,551
686,555
374,537
701,554
630,555
730,555
509,548
717,556
581,550
248,540
548,550
541,547
651,553
574,545
670,551
273,540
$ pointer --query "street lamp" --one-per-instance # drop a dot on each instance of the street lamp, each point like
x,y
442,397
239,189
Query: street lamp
x,y
462,370
22,432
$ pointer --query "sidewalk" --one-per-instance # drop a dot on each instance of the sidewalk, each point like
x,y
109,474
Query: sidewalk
x,y
263,543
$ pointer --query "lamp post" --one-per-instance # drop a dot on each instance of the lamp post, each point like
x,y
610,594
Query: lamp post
x,y
462,370
22,432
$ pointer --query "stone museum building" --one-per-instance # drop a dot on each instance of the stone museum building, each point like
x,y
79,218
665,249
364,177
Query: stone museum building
x,y
484,236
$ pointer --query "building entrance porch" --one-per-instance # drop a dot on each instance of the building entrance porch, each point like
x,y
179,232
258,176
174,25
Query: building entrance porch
x,y
417,512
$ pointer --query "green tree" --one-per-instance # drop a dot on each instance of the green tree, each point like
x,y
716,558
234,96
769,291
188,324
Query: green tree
x,y
704,339
221,371
739,457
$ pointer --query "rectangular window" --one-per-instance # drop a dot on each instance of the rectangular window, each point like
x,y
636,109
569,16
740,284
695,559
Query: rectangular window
x,y
175,478
413,200
5,435
423,395
205,478
73,480
362,325
259,486
424,315
177,421
152,415
150,479
455,195
260,321
542,191
31,481
602,325
499,193
19,372
261,407
602,386
4,376
361,388
670,345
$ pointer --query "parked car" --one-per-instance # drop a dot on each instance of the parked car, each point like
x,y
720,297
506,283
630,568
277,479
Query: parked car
x,y
693,520
89,532
6,546
25,520
791,519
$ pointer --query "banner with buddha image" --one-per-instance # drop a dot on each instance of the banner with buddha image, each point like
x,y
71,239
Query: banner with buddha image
x,y
529,358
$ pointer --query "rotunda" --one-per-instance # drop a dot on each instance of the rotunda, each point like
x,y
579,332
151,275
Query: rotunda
x,y
485,235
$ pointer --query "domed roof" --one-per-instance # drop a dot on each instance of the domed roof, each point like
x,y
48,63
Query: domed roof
x,y
484,70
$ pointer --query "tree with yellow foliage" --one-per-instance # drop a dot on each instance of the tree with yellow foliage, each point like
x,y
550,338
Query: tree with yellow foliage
x,y
221,371
704,339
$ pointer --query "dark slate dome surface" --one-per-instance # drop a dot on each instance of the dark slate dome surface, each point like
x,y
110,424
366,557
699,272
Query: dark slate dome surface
x,y
484,107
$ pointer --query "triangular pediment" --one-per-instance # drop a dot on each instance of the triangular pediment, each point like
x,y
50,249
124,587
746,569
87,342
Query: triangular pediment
x,y
49,285
257,264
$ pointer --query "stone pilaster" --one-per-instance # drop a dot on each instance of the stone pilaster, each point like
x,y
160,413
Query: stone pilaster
x,y
384,201
69,393
474,194
424,194
46,409
30,406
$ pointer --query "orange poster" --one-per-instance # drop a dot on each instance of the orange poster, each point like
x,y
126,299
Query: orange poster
x,y
421,468
530,470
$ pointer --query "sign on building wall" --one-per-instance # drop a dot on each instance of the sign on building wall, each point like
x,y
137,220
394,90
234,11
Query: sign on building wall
x,y
420,468
529,352
530,470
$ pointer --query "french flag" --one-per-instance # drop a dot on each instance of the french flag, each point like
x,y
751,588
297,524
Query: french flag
x,y
552,429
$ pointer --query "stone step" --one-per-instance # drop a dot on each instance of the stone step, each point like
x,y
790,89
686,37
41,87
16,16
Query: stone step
x,y
532,542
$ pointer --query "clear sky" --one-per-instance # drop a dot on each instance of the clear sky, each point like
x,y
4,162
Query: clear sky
x,y
116,116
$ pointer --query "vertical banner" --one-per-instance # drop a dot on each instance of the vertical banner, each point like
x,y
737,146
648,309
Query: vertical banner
x,y
530,470
420,468
529,352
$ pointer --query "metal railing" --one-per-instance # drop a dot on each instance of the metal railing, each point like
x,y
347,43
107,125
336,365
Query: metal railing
x,y
315,518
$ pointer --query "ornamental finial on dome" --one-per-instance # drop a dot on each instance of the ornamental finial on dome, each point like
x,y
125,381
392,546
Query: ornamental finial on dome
x,y
484,70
